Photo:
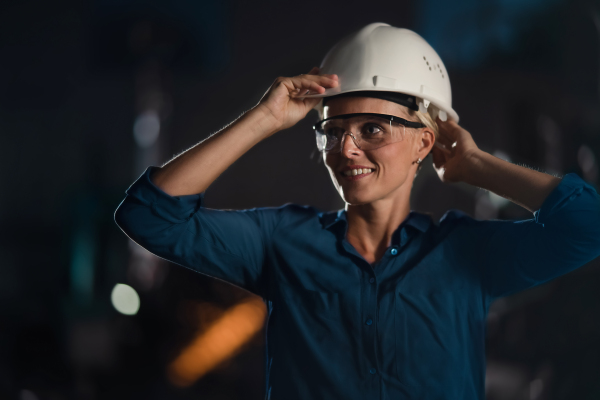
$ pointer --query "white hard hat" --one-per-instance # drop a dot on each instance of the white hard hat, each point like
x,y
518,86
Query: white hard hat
x,y
380,57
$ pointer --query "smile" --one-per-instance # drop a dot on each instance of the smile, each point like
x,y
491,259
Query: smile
x,y
354,174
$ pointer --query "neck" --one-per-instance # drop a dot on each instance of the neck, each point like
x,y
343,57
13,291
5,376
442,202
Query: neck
x,y
371,226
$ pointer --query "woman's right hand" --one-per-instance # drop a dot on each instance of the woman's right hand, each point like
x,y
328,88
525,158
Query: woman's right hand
x,y
282,102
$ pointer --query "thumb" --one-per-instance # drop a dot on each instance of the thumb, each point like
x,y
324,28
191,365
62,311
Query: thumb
x,y
311,102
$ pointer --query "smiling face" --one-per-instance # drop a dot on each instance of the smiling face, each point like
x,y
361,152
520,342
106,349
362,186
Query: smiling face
x,y
390,170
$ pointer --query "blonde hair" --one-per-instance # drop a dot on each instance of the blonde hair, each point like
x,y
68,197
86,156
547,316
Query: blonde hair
x,y
427,120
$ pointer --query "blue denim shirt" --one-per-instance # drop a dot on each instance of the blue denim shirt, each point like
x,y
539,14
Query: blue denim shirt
x,y
410,327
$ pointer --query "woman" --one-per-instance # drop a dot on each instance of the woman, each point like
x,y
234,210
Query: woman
x,y
373,301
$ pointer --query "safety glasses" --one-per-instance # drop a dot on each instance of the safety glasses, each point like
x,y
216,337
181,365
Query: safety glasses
x,y
369,131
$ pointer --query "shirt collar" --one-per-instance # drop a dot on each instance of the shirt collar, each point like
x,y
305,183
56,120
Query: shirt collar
x,y
415,219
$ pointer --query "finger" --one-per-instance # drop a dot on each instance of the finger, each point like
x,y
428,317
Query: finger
x,y
300,86
305,84
449,141
449,128
438,157
312,82
448,121
444,140
322,78
453,122
442,148
310,102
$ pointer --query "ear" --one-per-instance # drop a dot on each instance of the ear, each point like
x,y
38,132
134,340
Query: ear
x,y
425,142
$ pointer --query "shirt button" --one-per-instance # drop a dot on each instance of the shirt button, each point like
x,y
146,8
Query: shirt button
x,y
372,370
372,280
369,321
394,251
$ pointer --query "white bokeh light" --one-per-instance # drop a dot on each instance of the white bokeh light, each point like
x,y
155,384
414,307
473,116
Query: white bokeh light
x,y
146,128
125,299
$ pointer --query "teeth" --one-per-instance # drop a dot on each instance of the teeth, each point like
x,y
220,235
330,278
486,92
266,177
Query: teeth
x,y
359,171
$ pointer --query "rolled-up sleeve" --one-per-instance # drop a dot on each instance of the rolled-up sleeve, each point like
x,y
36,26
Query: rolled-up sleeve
x,y
563,235
228,245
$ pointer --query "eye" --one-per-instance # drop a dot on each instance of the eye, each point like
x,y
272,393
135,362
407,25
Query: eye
x,y
372,130
334,132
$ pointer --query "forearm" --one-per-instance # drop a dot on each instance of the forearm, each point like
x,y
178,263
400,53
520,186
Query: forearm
x,y
193,171
523,186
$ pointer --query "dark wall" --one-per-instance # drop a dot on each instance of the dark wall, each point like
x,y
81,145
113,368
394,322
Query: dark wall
x,y
74,78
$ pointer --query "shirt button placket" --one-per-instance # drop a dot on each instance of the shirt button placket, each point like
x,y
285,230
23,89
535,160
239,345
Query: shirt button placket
x,y
371,308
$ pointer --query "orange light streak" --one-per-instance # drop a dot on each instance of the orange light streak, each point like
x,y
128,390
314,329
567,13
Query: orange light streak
x,y
220,341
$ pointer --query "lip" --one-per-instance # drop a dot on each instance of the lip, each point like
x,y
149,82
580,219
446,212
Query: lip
x,y
355,177
354,167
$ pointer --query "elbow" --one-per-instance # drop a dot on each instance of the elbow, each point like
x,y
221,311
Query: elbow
x,y
118,216
124,219
145,228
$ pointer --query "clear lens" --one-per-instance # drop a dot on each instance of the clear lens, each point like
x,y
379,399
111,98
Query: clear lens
x,y
368,133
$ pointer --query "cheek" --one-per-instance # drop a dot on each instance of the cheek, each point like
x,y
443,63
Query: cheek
x,y
330,160
393,161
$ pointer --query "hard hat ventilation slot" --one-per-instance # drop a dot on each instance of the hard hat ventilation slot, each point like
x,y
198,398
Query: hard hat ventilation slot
x,y
427,63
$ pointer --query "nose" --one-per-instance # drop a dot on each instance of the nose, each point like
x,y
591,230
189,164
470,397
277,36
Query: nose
x,y
349,145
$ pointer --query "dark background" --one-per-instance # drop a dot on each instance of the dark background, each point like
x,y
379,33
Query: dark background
x,y
79,78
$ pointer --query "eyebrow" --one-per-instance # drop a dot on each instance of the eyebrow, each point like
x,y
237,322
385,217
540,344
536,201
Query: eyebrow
x,y
410,124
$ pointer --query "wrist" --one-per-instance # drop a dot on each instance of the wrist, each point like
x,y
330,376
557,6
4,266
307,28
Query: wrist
x,y
263,119
474,167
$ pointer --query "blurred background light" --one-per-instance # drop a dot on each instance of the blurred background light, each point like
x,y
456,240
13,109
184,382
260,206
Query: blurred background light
x,y
587,163
27,395
221,341
535,388
146,128
125,299
82,264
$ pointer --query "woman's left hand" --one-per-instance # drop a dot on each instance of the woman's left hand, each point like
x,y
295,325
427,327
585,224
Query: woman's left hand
x,y
453,152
